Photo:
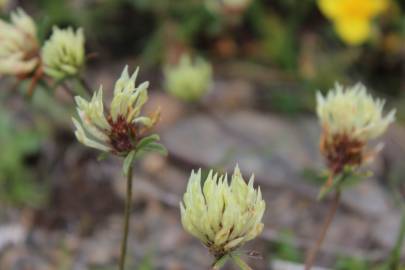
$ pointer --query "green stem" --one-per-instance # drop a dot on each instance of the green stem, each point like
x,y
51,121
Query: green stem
x,y
128,208
85,85
239,262
219,263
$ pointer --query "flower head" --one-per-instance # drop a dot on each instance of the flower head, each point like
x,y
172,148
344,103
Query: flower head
x,y
349,118
120,130
222,216
18,45
188,80
63,53
352,18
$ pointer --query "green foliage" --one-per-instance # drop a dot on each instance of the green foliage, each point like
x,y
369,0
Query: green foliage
x,y
17,185
285,249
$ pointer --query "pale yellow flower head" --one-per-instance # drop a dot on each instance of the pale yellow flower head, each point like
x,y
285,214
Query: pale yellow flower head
x,y
353,18
121,128
64,54
222,216
188,80
18,45
350,118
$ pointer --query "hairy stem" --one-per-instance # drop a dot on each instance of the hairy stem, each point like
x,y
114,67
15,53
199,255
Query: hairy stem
x,y
328,220
128,208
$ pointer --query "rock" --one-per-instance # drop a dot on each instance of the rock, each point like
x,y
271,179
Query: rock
x,y
11,235
284,265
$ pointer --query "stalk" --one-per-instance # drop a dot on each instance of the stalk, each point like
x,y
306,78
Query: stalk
x,y
128,209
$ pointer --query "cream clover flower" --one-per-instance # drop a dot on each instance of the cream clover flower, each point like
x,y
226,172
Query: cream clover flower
x,y
222,216
350,118
18,45
188,80
122,129
64,54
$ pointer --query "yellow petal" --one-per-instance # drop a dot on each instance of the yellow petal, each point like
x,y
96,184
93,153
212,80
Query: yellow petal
x,y
353,32
330,8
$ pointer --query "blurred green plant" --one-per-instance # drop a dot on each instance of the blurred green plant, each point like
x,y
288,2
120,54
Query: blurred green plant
x,y
17,185
284,249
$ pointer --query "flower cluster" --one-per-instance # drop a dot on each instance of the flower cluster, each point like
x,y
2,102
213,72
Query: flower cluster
x,y
121,130
349,118
352,18
19,51
63,54
223,216
188,80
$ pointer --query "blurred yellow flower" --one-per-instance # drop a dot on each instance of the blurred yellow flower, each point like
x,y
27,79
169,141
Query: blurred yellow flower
x,y
63,54
19,51
352,18
188,80
350,118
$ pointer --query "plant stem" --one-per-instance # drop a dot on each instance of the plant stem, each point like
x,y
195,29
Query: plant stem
x,y
85,85
128,208
315,249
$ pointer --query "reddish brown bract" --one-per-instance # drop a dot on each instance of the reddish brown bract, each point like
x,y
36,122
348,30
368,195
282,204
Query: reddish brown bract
x,y
340,151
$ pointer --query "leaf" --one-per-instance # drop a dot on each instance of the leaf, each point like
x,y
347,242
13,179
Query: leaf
x,y
156,147
129,159
102,156
147,140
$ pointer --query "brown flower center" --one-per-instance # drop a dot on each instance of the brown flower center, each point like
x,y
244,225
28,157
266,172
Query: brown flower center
x,y
340,151
123,135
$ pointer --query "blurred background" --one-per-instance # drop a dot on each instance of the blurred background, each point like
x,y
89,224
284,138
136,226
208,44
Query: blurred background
x,y
61,208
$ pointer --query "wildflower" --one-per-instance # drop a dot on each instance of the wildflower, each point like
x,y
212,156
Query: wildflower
x,y
19,51
188,80
63,53
352,18
350,118
122,130
222,216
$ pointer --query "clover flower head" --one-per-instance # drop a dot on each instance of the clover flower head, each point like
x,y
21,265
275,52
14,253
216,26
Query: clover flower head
x,y
352,19
63,54
120,130
222,216
188,80
350,118
18,45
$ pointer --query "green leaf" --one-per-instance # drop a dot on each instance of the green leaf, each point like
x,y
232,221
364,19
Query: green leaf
x,y
129,159
156,147
102,156
147,140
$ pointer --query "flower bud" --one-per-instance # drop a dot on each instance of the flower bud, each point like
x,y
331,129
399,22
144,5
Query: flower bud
x,y
188,80
350,118
122,128
18,45
222,216
63,54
